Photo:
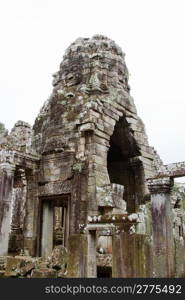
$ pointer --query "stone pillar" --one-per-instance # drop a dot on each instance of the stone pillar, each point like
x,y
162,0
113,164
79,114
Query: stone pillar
x,y
77,256
47,230
31,223
19,201
16,242
58,217
118,267
6,187
91,265
162,227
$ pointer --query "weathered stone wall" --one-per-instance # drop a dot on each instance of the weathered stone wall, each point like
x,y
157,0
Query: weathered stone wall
x,y
17,154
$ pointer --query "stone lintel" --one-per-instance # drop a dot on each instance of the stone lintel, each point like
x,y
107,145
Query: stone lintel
x,y
171,170
55,188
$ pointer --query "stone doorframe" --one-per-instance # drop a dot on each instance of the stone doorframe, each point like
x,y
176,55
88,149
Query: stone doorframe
x,y
91,257
47,205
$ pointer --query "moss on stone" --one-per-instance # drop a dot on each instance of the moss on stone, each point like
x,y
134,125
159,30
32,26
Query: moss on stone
x,y
147,197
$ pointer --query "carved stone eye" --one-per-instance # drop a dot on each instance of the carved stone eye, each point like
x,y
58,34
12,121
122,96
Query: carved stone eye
x,y
121,80
70,76
72,79
70,95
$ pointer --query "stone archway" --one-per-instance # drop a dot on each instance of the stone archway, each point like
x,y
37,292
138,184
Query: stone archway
x,y
123,166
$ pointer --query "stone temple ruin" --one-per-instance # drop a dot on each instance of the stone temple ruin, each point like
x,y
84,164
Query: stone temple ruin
x,y
82,194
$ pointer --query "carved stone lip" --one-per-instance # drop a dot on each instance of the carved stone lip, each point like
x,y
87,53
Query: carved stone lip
x,y
97,90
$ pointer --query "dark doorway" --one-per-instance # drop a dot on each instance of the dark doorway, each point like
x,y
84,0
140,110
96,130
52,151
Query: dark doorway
x,y
104,272
123,148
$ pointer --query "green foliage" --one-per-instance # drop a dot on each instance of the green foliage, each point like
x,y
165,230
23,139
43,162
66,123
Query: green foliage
x,y
177,190
2,128
77,167
147,197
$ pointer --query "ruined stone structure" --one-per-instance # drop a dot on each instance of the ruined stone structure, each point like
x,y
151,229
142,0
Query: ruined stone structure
x,y
82,194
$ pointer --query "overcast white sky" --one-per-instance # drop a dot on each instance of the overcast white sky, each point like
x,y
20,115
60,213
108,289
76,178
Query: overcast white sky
x,y
35,33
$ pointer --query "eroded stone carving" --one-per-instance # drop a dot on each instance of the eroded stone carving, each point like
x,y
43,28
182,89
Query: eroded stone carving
x,y
55,188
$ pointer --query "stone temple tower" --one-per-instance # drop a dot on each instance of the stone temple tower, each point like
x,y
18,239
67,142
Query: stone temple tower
x,y
93,145
80,177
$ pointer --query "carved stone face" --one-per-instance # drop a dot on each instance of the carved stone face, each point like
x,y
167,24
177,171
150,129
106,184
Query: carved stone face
x,y
92,71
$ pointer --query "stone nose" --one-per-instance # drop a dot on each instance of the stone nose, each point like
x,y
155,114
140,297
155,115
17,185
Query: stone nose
x,y
94,82
96,85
